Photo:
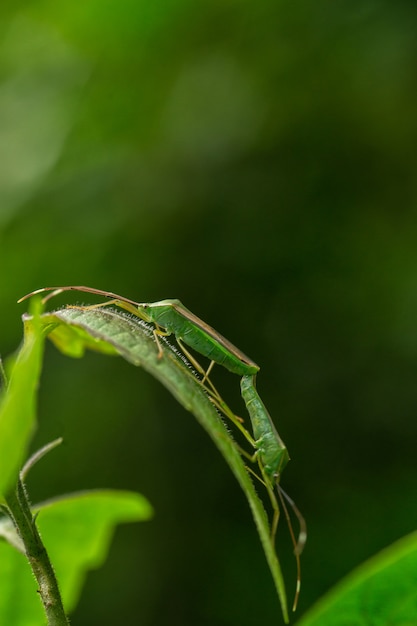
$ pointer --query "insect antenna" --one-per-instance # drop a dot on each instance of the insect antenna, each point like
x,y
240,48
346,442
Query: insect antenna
x,y
55,291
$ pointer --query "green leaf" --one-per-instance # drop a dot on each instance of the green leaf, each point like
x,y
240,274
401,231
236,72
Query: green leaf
x,y
77,531
87,521
74,329
73,340
19,602
18,404
380,592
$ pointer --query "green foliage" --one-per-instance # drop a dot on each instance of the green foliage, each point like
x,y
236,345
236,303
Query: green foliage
x,y
77,530
380,592
82,521
18,404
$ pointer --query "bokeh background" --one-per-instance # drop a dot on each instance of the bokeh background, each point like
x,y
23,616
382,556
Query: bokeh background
x,y
258,161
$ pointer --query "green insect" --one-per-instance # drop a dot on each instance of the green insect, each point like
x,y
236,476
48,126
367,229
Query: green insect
x,y
172,317
272,456
271,450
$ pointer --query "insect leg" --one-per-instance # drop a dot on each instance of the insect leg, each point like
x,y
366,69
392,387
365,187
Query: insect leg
x,y
302,537
206,375
211,389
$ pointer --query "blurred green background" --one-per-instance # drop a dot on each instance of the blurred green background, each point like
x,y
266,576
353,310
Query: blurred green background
x,y
257,161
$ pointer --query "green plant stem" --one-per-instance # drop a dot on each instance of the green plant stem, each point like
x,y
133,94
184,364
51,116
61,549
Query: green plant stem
x,y
25,522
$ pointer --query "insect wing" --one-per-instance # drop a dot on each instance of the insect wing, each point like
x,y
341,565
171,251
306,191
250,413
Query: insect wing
x,y
225,343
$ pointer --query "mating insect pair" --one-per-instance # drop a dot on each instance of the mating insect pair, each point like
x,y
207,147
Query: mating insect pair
x,y
171,317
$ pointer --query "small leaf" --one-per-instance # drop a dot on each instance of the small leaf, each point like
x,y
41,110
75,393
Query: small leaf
x,y
18,404
77,531
73,340
380,592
